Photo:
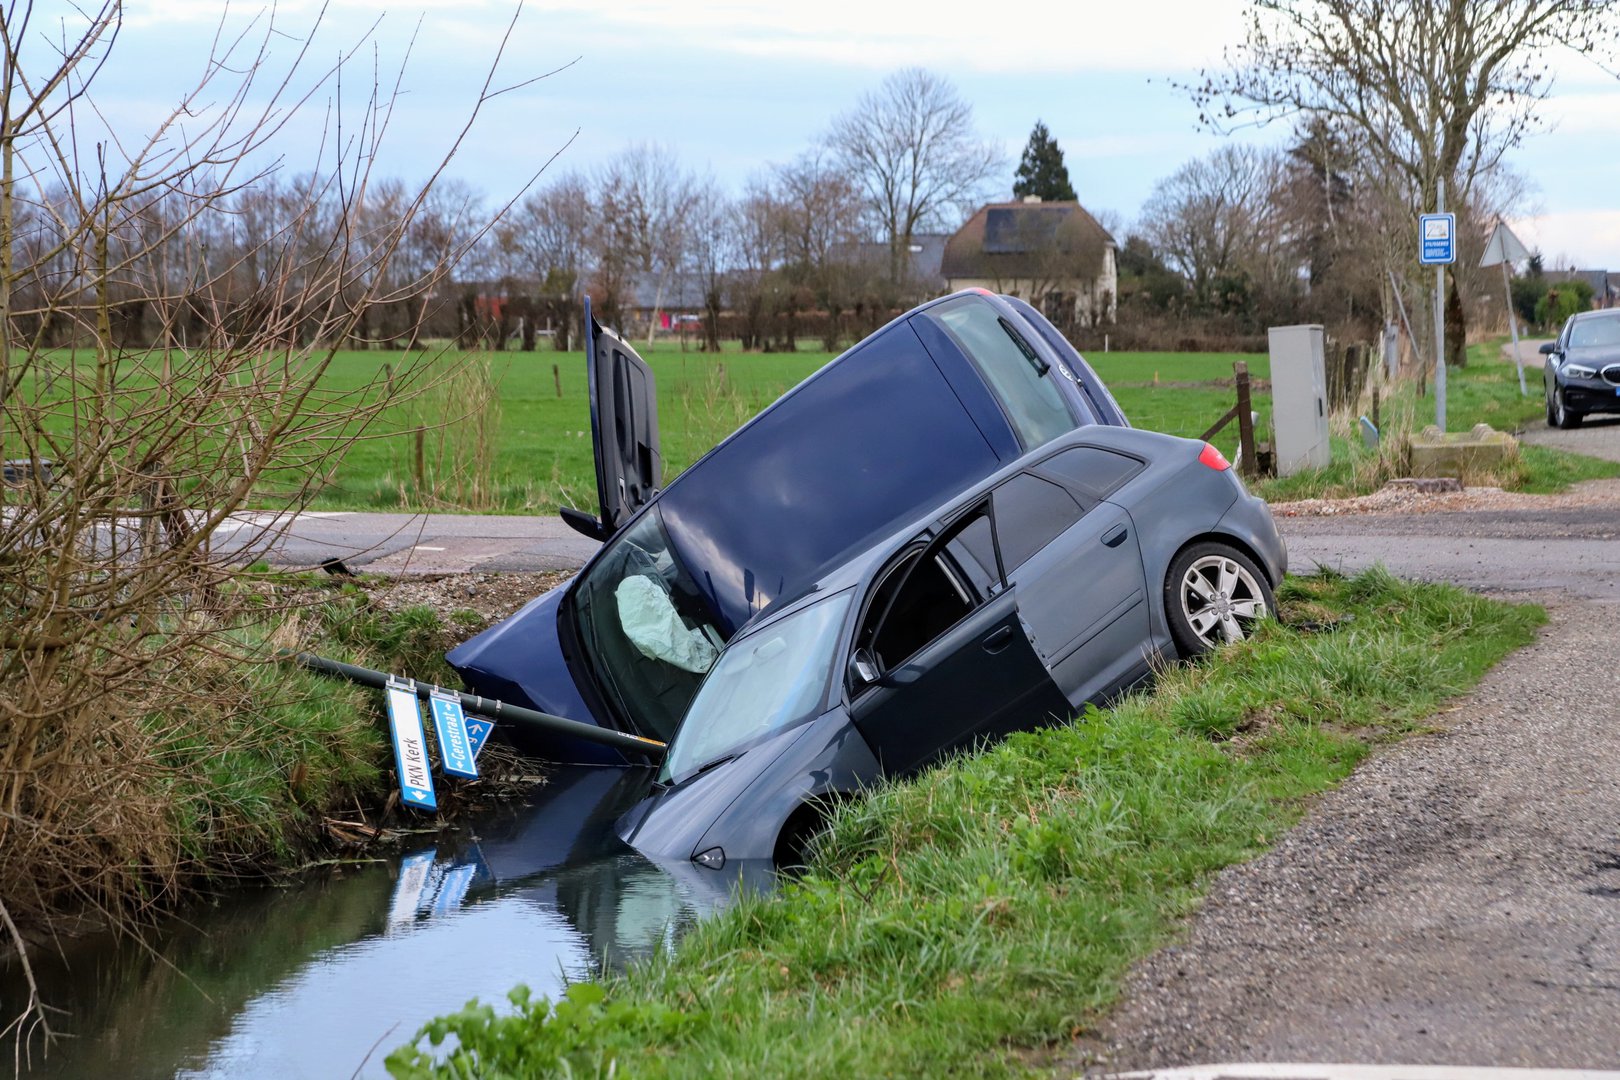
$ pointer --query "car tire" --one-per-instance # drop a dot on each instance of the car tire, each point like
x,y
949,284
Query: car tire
x,y
1552,416
1214,594
1564,417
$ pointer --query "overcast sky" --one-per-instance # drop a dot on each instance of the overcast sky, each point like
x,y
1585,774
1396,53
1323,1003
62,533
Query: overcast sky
x,y
734,85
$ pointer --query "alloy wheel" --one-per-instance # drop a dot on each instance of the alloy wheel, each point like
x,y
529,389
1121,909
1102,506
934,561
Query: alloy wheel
x,y
1220,599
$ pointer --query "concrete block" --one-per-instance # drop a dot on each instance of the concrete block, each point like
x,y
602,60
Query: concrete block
x,y
1482,452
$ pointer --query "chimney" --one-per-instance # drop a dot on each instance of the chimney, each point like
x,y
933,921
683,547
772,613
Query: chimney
x,y
1032,198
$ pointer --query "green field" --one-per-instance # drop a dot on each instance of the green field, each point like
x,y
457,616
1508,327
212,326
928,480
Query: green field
x,y
541,448
509,432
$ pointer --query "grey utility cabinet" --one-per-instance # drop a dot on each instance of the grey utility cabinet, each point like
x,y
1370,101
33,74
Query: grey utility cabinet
x,y
1299,398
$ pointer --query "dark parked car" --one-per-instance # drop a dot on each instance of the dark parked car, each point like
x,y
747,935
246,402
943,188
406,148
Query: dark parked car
x,y
1582,373
904,421
1055,583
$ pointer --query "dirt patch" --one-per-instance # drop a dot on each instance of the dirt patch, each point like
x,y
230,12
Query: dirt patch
x,y
1396,499
492,597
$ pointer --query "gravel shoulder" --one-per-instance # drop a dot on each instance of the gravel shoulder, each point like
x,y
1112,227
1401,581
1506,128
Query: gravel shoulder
x,y
1455,901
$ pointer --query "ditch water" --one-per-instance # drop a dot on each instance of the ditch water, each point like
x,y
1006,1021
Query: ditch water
x,y
324,977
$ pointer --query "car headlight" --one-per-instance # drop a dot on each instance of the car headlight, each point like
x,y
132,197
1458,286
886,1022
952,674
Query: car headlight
x,y
1578,371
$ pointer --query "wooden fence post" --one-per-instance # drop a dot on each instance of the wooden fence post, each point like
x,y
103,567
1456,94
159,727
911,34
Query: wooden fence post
x,y
1249,457
556,377
421,458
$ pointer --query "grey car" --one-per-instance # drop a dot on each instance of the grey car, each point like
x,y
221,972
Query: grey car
x,y
1056,582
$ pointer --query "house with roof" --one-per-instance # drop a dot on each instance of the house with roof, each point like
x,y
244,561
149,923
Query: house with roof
x,y
1604,284
1053,254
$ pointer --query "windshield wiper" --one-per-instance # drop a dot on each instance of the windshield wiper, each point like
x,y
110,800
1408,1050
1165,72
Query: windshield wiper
x,y
715,764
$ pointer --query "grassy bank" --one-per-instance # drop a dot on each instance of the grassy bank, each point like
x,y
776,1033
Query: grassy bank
x,y
972,920
226,764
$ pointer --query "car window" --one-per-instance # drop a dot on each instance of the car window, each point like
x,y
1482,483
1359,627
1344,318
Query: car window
x,y
1590,333
1093,472
929,589
1020,380
1029,514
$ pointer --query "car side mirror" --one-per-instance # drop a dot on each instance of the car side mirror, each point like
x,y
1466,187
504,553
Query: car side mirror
x,y
863,667
1548,348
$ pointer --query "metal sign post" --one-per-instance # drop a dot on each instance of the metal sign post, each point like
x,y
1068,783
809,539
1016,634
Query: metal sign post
x,y
1505,249
1437,247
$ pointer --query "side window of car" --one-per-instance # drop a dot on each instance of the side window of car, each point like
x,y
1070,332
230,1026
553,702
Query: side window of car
x,y
929,589
1091,472
1029,514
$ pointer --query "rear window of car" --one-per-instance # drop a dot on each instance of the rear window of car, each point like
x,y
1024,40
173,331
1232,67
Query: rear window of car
x,y
1020,380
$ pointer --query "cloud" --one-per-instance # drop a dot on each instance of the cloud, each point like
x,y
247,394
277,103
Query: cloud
x,y
1583,238
952,35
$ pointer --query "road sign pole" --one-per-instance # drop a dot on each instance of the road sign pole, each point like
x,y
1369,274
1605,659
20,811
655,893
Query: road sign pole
x,y
1513,326
1440,321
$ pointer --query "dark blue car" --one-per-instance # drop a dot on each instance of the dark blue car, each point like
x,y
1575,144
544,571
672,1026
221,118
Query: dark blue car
x,y
1582,373
937,400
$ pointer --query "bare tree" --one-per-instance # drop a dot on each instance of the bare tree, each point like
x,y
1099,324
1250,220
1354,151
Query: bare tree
x,y
1212,218
758,219
1434,89
1431,90
819,208
644,199
550,234
912,147
126,462
712,251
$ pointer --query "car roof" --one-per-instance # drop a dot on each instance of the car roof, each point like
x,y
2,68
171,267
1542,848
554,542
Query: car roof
x,y
855,570
1600,313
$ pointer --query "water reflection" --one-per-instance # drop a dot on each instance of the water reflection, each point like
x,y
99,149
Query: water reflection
x,y
303,981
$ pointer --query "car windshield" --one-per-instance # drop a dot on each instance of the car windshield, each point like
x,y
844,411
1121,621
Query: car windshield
x,y
764,683
645,629
1589,333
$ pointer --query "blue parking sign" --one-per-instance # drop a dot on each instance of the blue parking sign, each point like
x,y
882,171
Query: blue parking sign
x,y
1437,239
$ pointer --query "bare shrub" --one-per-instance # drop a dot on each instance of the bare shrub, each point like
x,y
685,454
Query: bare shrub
x,y
122,524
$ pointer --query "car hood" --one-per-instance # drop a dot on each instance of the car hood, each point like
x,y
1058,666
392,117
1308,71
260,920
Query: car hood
x,y
520,661
671,821
1598,356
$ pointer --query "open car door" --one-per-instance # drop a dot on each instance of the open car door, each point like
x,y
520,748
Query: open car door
x,y
624,431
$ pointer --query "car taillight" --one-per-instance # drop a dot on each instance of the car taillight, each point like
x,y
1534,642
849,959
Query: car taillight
x,y
1214,458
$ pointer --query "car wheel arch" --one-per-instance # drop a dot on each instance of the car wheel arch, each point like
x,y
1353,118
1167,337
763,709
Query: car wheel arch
x,y
802,825
1236,543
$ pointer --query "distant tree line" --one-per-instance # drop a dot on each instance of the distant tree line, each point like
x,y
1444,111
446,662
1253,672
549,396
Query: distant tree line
x,y
1321,228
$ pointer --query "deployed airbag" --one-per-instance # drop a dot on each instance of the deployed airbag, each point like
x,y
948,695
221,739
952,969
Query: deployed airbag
x,y
656,629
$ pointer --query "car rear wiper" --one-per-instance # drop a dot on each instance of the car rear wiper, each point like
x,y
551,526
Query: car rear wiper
x,y
1041,366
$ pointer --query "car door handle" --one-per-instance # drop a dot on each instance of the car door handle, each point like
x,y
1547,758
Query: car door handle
x,y
998,640
1114,537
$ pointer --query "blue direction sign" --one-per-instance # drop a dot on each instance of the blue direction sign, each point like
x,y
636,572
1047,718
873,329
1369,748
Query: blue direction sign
x,y
410,748
478,730
450,724
1437,239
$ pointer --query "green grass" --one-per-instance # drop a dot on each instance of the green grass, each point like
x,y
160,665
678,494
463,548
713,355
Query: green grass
x,y
535,453
260,751
542,455
543,446
970,921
